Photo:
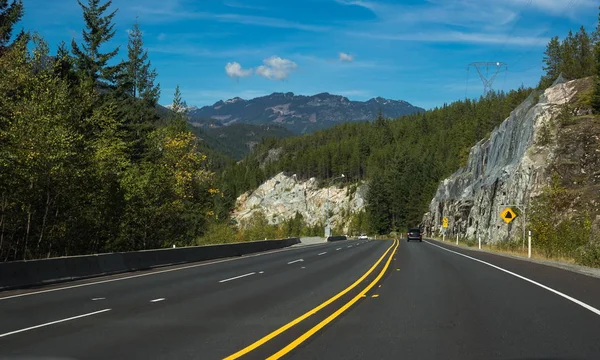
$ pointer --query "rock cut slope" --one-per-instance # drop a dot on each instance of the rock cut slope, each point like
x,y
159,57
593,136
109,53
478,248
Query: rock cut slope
x,y
514,164
281,197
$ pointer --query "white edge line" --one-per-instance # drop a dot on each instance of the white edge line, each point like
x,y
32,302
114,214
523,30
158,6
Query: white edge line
x,y
295,261
323,253
572,299
151,273
53,322
157,300
98,298
237,277
338,249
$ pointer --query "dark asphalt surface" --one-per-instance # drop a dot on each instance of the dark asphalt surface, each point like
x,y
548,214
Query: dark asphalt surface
x,y
430,304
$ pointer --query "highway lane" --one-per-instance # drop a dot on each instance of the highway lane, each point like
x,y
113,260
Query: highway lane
x,y
441,305
332,301
207,311
22,309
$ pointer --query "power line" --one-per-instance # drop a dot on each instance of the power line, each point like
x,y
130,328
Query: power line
x,y
569,5
514,28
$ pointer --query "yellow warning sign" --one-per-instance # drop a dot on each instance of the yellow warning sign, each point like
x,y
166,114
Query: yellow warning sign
x,y
445,222
508,215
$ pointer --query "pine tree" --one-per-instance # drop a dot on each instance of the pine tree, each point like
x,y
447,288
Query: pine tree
x,y
552,61
179,108
378,205
178,104
584,58
91,62
139,74
9,16
64,64
137,95
568,55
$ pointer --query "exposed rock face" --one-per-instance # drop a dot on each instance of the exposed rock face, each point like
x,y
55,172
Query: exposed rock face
x,y
282,196
508,168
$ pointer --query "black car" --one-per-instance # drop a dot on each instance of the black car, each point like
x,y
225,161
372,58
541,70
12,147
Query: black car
x,y
414,234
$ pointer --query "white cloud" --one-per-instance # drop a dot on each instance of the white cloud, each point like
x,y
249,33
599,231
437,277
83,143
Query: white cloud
x,y
463,21
173,14
234,70
554,6
458,37
276,68
346,57
238,5
365,4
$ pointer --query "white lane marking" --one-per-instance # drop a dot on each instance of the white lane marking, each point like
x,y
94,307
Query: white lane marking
x,y
237,277
155,272
323,253
349,246
261,272
295,261
157,300
572,299
53,322
338,249
304,267
100,298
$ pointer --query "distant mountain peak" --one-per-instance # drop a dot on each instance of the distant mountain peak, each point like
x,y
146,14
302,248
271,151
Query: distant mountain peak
x,y
234,100
299,113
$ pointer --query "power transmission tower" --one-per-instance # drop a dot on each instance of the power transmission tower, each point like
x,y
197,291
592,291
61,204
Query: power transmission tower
x,y
487,76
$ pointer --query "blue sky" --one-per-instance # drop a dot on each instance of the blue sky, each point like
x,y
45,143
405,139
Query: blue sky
x,y
414,50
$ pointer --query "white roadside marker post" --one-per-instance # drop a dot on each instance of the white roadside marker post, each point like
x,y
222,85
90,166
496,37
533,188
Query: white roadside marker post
x,y
456,239
479,242
529,248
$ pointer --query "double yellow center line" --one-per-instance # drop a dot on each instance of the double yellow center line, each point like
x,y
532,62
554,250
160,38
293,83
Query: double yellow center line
x,y
390,251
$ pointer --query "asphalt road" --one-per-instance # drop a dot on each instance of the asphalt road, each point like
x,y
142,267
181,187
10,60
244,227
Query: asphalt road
x,y
342,300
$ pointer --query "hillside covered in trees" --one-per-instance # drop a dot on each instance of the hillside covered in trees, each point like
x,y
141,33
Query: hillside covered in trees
x,y
87,165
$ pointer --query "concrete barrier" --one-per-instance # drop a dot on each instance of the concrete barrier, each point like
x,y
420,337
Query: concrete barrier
x,y
337,238
27,273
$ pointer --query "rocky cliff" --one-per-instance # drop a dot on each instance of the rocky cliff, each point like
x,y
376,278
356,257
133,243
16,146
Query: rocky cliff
x,y
282,196
515,163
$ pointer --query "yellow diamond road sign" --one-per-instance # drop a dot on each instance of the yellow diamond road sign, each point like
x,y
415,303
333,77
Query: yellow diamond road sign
x,y
508,215
445,222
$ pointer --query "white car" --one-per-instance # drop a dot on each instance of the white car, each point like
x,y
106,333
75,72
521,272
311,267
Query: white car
x,y
363,237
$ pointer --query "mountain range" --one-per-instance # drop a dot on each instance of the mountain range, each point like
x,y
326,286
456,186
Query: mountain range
x,y
299,114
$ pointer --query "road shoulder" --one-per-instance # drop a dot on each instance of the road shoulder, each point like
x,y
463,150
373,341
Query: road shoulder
x,y
584,270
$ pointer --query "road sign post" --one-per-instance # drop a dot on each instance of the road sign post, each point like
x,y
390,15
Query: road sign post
x,y
445,226
512,216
